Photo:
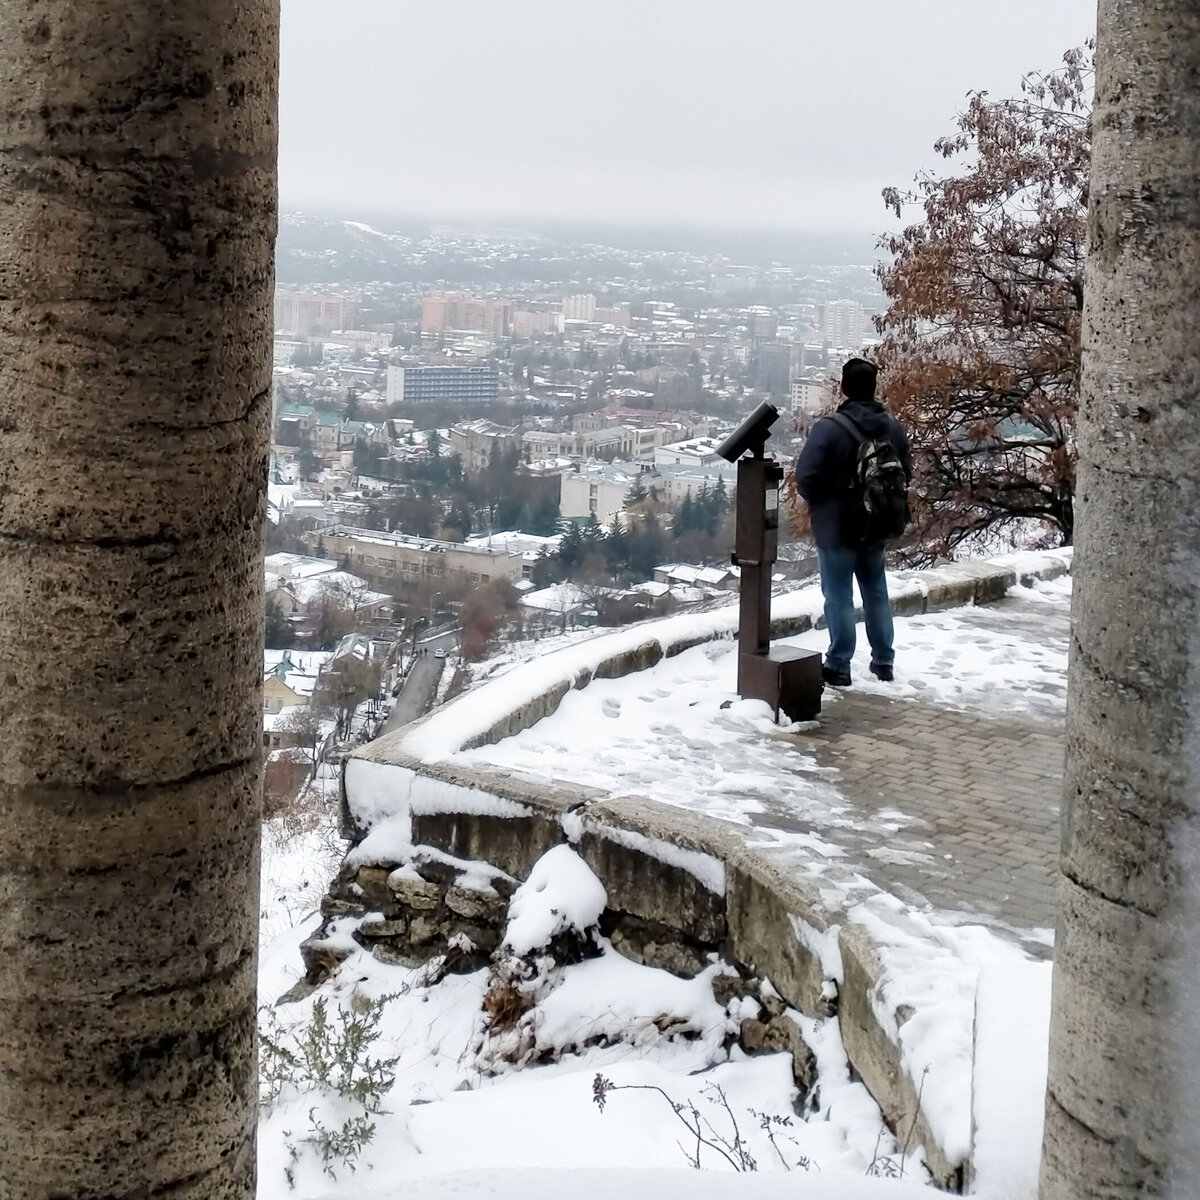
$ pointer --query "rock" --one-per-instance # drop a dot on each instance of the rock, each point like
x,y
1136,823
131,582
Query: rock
x,y
484,938
772,1003
389,953
321,959
422,930
383,929
476,906
436,871
730,987
782,1035
333,906
416,894
373,882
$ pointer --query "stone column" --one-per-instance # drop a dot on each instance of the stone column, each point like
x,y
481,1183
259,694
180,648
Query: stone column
x,y
137,221
1124,1087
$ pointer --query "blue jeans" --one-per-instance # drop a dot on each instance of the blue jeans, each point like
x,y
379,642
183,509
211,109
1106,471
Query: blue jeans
x,y
840,565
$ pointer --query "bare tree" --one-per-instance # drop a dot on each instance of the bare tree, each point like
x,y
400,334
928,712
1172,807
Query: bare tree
x,y
1124,1089
980,356
348,682
303,725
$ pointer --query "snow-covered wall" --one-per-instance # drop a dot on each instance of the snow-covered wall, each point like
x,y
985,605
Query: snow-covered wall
x,y
682,884
521,697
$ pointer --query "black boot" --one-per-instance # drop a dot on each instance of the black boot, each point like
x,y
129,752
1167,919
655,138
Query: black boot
x,y
835,678
882,672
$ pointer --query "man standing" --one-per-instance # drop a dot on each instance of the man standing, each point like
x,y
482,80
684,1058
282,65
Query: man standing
x,y
854,472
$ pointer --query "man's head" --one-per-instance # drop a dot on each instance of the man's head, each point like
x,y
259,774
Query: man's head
x,y
858,379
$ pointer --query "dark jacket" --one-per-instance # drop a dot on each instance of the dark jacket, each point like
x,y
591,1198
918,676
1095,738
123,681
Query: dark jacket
x,y
825,469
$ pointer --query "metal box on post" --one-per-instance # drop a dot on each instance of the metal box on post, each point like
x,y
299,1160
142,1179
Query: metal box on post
x,y
787,679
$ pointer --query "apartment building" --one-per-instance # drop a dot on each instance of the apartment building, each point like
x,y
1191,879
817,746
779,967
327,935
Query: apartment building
x,y
401,561
451,385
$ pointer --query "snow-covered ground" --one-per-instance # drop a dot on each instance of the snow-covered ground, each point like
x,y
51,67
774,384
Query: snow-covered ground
x,y
679,733
453,1101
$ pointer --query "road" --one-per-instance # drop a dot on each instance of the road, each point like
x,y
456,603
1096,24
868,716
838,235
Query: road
x,y
421,684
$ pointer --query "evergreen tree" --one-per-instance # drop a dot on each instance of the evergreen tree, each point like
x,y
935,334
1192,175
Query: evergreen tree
x,y
571,547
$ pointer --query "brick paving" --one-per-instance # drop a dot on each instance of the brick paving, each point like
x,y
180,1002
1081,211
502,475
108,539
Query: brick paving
x,y
975,794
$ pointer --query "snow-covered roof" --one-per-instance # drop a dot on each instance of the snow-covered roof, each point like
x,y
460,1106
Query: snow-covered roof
x,y
355,592
652,588
297,566
297,669
514,542
561,597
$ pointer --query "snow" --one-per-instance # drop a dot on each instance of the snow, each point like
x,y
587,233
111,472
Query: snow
x,y
933,967
705,868
1012,1023
603,1183
561,893
450,1110
679,733
383,798
474,713
955,998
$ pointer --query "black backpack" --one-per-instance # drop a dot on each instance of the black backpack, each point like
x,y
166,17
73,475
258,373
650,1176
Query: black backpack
x,y
879,484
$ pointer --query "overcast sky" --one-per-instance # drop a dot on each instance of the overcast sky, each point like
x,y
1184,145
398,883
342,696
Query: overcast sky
x,y
780,114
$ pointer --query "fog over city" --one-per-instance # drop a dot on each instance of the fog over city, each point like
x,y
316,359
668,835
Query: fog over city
x,y
771,115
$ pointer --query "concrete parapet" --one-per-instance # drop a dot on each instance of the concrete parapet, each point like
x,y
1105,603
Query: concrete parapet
x,y
876,1058
681,886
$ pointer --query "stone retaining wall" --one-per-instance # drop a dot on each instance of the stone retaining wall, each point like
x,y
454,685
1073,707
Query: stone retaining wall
x,y
680,886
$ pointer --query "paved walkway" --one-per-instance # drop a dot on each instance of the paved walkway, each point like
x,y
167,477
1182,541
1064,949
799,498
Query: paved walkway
x,y
980,786
983,791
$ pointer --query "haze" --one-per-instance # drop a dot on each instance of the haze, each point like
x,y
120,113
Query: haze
x,y
762,114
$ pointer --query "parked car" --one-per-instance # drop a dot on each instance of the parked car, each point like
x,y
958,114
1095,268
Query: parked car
x,y
439,653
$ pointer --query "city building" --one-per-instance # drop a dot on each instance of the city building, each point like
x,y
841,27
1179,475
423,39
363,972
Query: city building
x,y
308,313
401,561
761,324
445,311
613,442
674,483
480,444
810,395
449,384
579,308
597,489
693,453
529,323
617,316
843,323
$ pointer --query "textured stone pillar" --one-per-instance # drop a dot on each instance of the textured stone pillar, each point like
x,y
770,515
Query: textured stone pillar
x,y
1123,1101
137,220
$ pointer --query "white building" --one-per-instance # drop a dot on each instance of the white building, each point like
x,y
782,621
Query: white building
x,y
809,395
844,323
579,308
598,489
675,483
695,452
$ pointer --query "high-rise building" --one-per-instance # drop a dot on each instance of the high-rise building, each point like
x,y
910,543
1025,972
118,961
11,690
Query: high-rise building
x,y
808,395
579,308
843,323
309,314
529,322
761,324
452,385
468,314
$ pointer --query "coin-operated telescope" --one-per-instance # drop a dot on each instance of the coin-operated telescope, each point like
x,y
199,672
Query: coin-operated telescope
x,y
786,678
